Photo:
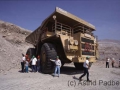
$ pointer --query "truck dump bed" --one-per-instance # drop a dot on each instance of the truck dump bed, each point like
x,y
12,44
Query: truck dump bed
x,y
61,16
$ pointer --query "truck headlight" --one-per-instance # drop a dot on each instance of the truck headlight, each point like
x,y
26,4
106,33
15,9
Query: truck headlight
x,y
76,42
71,41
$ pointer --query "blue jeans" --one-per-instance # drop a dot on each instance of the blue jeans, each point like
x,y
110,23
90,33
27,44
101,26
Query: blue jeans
x,y
34,68
26,69
57,69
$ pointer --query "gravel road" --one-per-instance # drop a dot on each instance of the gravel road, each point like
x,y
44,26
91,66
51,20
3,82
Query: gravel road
x,y
102,79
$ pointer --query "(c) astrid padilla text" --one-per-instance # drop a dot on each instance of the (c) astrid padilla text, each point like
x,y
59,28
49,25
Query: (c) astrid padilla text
x,y
93,83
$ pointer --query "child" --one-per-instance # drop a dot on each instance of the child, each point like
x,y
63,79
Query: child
x,y
26,66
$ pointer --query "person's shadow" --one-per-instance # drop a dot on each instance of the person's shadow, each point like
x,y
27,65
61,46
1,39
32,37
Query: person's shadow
x,y
20,71
76,78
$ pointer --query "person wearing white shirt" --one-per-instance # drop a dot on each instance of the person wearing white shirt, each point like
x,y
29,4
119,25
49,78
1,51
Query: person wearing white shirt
x,y
34,60
107,62
86,67
57,65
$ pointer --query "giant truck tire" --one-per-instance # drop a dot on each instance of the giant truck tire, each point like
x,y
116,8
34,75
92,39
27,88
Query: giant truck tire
x,y
79,66
48,52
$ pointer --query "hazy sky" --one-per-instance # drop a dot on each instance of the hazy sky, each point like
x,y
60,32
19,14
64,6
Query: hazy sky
x,y
103,14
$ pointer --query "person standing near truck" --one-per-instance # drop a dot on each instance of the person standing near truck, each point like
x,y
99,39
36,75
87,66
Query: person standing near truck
x,y
22,62
26,65
34,61
38,63
57,66
86,67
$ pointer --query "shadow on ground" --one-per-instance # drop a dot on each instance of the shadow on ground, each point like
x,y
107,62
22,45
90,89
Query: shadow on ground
x,y
70,70
64,70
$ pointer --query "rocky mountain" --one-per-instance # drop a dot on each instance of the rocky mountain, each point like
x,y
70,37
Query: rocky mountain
x,y
109,48
12,45
14,34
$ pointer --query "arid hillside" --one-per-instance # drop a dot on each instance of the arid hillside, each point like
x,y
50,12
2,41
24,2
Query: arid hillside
x,y
12,45
14,34
109,48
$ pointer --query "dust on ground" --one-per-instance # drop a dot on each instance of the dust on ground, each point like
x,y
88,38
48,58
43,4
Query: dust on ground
x,y
15,80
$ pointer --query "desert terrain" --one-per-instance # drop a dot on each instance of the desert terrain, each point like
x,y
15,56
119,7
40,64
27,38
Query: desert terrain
x,y
12,45
102,79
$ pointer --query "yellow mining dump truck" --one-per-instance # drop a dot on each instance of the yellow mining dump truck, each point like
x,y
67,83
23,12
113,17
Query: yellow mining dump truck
x,y
65,35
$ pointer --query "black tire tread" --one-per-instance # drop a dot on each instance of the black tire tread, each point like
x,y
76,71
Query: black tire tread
x,y
51,53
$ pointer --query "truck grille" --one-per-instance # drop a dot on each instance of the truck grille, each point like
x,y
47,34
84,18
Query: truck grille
x,y
91,47
87,46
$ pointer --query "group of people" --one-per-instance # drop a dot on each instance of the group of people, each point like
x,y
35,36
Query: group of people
x,y
112,62
33,62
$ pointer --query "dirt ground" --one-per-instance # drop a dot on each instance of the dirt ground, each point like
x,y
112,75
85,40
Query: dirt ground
x,y
102,79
